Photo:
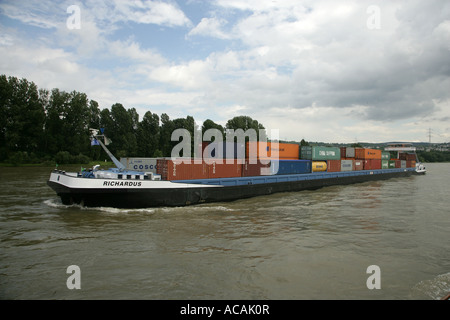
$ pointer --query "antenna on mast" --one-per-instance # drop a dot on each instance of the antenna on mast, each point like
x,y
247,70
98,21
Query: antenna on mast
x,y
95,136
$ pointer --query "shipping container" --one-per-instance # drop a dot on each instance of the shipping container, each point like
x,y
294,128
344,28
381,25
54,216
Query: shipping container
x,y
391,164
290,167
359,165
384,164
224,150
347,152
224,169
398,163
140,164
407,156
347,164
255,169
264,150
318,166
403,164
372,164
410,163
181,169
365,153
333,165
385,155
320,153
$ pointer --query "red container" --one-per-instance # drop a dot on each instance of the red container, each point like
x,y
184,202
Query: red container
x,y
254,169
186,169
343,154
358,165
224,169
398,163
334,165
372,164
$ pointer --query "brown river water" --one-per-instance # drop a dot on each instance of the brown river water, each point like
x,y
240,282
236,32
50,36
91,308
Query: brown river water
x,y
291,246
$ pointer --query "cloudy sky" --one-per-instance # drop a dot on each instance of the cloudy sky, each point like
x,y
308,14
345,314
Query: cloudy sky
x,y
321,70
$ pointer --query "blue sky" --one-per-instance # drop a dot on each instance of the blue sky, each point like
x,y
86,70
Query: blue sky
x,y
321,70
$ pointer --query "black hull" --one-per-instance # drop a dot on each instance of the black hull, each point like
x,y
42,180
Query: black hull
x,y
145,198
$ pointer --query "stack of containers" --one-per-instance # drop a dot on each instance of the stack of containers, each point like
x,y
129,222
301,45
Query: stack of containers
x,y
287,163
371,158
385,157
410,159
347,159
328,158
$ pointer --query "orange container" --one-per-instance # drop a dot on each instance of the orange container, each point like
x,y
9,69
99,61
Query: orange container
x,y
223,169
365,153
286,151
178,170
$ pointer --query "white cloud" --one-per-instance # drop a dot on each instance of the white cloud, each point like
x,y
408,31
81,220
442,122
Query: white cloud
x,y
210,27
153,12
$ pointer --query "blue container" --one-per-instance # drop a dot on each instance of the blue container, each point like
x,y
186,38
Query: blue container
x,y
290,167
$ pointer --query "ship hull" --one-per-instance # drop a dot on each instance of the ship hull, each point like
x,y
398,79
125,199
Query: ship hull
x,y
145,194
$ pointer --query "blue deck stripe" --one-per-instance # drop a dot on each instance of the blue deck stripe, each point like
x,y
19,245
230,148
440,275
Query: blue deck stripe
x,y
288,178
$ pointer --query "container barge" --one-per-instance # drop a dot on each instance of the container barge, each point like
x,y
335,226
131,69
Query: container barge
x,y
190,183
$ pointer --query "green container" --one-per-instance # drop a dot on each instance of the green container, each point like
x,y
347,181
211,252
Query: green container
x,y
320,153
384,164
385,155
391,164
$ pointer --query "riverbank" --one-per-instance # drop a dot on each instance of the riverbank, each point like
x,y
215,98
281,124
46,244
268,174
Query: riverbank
x,y
53,164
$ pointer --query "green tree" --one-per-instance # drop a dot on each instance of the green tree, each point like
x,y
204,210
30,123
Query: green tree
x,y
122,134
76,123
94,115
148,135
165,143
209,124
5,95
245,123
24,115
303,143
56,110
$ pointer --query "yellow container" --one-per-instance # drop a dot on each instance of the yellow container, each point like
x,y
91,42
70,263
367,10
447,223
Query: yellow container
x,y
318,166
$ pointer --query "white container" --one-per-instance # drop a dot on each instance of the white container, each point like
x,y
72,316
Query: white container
x,y
140,164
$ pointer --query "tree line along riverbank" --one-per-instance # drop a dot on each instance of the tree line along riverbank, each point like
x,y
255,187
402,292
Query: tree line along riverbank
x,y
43,127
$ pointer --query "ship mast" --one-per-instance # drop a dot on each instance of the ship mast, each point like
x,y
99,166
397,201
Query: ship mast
x,y
96,136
